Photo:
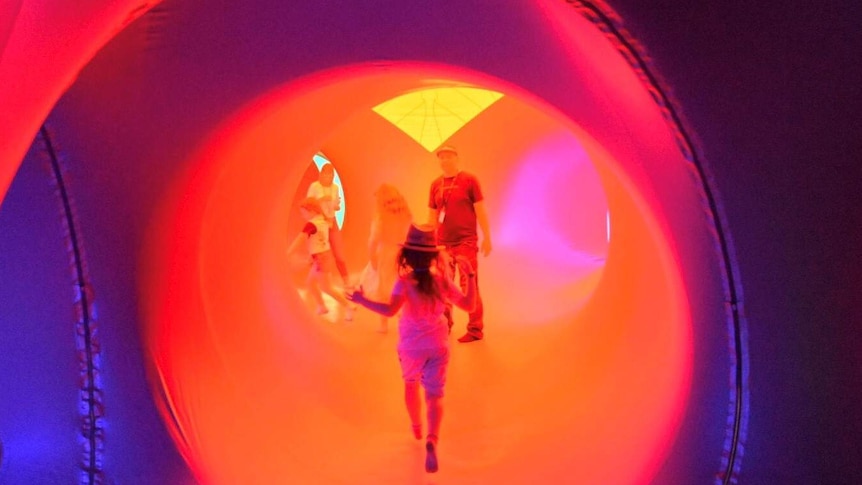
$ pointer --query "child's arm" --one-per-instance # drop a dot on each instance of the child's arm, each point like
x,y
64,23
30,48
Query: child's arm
x,y
385,309
308,230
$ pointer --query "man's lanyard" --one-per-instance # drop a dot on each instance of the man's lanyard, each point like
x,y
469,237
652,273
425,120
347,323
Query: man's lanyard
x,y
448,193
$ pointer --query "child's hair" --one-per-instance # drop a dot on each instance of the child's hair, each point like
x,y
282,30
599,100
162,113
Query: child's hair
x,y
420,263
390,202
311,205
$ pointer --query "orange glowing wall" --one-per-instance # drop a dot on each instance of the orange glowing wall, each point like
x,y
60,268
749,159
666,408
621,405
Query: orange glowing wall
x,y
595,348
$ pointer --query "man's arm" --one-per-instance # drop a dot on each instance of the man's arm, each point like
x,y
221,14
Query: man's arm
x,y
482,218
336,199
433,214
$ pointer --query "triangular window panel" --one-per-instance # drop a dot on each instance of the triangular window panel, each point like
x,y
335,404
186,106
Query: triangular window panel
x,y
431,116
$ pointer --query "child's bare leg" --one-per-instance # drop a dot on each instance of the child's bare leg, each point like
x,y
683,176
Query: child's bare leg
x,y
435,415
339,297
314,290
414,407
326,286
384,325
336,244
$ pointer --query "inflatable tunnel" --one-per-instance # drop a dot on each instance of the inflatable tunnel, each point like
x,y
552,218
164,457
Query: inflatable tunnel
x,y
158,332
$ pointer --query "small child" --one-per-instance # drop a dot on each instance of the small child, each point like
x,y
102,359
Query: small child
x,y
315,234
423,289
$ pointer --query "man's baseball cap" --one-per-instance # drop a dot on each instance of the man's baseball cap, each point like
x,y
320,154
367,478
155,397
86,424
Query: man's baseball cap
x,y
446,148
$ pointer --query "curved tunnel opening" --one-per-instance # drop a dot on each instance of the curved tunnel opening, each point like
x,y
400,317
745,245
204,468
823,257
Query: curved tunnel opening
x,y
587,356
550,212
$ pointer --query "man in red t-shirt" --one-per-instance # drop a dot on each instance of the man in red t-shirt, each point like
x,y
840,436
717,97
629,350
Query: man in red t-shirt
x,y
456,208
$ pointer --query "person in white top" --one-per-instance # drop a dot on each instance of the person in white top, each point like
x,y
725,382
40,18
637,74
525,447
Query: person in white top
x,y
315,236
327,193
423,289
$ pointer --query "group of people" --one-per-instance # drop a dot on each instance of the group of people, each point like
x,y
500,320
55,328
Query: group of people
x,y
416,264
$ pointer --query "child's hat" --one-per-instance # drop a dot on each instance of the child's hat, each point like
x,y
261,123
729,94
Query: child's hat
x,y
421,238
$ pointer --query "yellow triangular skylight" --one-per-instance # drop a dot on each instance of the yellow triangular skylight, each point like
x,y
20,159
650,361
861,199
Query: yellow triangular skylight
x,y
431,116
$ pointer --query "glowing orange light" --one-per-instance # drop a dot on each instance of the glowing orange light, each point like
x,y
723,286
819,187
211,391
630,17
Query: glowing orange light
x,y
262,391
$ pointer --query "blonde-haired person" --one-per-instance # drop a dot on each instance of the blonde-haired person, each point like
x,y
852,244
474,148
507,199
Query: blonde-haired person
x,y
315,236
424,289
392,219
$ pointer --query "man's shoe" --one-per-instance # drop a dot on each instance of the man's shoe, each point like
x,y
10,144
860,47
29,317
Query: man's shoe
x,y
468,337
